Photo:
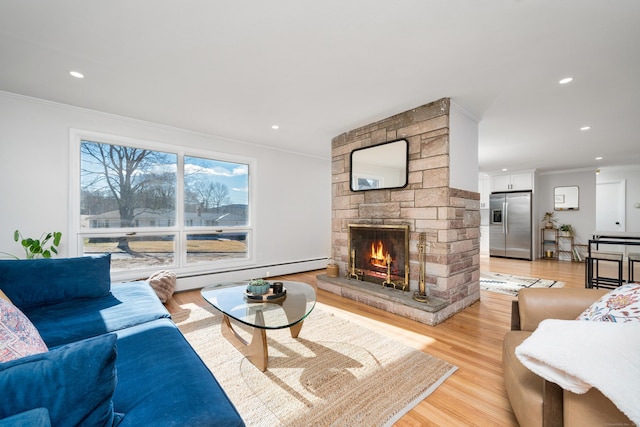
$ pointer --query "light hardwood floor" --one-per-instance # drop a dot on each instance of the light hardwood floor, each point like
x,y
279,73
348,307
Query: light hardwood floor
x,y
472,340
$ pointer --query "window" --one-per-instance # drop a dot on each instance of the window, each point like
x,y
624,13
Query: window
x,y
215,196
153,206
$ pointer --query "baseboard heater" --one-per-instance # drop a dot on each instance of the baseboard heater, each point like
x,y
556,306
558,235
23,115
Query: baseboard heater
x,y
234,270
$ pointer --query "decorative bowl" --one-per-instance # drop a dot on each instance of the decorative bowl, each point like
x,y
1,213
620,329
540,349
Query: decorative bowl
x,y
258,287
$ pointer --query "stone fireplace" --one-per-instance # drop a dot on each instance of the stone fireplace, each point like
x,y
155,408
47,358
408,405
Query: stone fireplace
x,y
441,220
380,254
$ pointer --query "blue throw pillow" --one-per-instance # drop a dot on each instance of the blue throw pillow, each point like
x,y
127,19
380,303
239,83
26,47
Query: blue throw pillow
x,y
31,282
74,382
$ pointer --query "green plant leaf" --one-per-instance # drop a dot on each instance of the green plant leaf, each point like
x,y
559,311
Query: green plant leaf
x,y
42,247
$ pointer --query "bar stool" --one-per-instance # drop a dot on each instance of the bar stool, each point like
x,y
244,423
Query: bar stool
x,y
593,264
633,258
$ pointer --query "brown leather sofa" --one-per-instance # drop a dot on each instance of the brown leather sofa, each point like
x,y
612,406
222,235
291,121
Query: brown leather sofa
x,y
536,402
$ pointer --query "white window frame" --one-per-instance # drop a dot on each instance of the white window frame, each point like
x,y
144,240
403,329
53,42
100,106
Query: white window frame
x,y
179,230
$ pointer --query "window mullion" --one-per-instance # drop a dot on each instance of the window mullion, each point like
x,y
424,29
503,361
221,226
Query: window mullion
x,y
180,244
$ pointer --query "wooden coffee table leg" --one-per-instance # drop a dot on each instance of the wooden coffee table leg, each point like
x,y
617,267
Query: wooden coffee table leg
x,y
295,329
256,350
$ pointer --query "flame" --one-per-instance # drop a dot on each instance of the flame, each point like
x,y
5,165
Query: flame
x,y
378,255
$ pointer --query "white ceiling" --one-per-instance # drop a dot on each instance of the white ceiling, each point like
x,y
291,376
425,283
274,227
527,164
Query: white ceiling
x,y
319,68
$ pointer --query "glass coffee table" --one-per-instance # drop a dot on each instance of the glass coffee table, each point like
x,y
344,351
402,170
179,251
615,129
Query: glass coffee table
x,y
288,311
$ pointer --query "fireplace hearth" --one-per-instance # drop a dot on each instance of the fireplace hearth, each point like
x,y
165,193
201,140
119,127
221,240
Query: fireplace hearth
x,y
379,254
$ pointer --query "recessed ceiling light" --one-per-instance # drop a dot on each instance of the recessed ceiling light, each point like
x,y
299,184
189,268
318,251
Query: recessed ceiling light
x,y
585,128
275,127
77,74
504,170
566,80
599,158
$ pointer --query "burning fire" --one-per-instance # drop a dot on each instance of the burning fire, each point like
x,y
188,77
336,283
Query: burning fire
x,y
378,255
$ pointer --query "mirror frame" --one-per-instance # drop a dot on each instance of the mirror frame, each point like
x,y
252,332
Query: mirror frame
x,y
379,177
559,200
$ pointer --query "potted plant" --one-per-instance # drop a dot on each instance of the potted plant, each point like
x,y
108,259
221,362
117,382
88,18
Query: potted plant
x,y
565,230
43,247
548,219
258,287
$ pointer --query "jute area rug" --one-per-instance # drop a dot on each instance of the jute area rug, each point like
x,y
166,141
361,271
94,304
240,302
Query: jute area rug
x,y
336,373
511,285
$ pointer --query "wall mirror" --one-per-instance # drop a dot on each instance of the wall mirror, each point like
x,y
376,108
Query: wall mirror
x,y
566,198
380,166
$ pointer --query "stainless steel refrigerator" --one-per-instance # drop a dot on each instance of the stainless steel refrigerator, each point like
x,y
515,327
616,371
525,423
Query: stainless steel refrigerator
x,y
510,225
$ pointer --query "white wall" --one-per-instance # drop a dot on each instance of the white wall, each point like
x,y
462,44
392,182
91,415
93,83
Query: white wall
x,y
293,195
583,220
463,151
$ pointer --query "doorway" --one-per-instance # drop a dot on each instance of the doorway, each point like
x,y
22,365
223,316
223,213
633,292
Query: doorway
x,y
610,209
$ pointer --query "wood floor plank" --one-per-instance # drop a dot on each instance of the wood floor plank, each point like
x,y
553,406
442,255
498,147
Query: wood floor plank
x,y
471,340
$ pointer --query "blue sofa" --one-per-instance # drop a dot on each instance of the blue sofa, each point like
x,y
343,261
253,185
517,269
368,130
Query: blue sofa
x,y
115,357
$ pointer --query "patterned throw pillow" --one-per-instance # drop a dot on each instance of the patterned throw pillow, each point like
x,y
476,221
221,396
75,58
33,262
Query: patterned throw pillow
x,y
619,305
18,336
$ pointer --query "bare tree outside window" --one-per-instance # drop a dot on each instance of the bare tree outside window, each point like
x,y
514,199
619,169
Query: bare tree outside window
x,y
209,194
219,194
125,187
216,192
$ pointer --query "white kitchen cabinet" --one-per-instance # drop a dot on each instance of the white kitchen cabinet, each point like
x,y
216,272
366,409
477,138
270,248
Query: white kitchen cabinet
x,y
512,182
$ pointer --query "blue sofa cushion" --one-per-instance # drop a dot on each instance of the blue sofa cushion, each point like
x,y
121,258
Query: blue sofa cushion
x,y
38,417
74,382
127,305
31,282
163,382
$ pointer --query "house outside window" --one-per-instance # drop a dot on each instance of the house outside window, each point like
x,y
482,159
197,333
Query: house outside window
x,y
155,206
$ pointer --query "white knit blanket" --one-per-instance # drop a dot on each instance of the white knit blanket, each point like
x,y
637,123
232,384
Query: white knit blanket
x,y
578,355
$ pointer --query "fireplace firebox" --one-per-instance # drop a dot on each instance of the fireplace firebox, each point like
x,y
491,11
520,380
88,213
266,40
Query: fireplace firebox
x,y
379,254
